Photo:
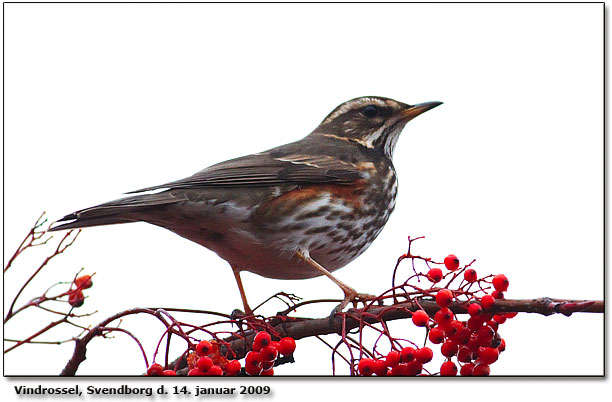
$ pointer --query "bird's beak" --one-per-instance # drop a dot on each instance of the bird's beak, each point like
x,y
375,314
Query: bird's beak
x,y
416,110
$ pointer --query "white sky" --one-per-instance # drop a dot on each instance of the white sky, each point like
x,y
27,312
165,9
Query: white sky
x,y
104,99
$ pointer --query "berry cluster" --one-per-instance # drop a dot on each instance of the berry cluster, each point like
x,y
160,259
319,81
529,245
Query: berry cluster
x,y
75,296
475,344
208,361
260,360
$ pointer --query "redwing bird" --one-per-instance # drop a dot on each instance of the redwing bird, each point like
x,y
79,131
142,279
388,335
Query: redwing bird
x,y
296,211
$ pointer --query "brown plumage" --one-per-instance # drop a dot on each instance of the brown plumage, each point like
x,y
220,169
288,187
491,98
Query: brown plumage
x,y
296,211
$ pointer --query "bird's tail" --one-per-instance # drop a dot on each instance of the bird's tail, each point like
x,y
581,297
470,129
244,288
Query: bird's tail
x,y
125,210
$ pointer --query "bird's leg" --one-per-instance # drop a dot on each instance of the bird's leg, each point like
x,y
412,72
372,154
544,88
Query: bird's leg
x,y
247,309
350,294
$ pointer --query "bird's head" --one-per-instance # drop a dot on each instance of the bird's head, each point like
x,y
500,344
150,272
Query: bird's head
x,y
372,121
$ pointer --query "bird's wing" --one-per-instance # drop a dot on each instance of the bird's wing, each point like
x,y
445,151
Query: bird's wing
x,y
268,169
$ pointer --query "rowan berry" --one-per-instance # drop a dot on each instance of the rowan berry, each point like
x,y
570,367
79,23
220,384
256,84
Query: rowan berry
x,y
500,282
443,316
196,372
497,295
155,369
393,358
267,365
83,282
464,354
420,318
414,368
444,298
232,367
268,354
470,275
466,369
366,367
435,275
487,301
502,345
169,372
436,335
214,371
449,348
485,335
204,348
380,368
252,364
204,363
267,373
451,262
448,369
286,346
423,355
474,309
499,318
481,369
488,355
407,354
262,338
510,315
399,370
76,298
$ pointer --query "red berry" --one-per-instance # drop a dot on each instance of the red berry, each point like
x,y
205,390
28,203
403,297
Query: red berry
x,y
252,364
267,373
464,354
169,372
470,275
155,369
407,354
263,338
488,355
443,316
499,318
448,369
400,369
423,355
380,368
449,348
500,283
232,367
466,369
436,335
204,348
268,354
286,346
502,345
444,298
497,295
366,366
393,359
487,301
76,298
435,275
420,318
83,282
485,335
474,309
481,369
204,363
451,262
215,371
414,368
510,315
196,372
267,365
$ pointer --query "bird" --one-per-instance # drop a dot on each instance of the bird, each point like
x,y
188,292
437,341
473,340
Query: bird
x,y
297,211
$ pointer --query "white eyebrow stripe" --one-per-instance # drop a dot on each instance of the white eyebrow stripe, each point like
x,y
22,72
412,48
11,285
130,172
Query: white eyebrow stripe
x,y
351,105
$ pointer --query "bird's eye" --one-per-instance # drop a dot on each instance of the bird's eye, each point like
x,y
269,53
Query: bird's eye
x,y
370,111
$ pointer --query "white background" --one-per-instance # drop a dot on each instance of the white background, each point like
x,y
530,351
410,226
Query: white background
x,y
104,99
